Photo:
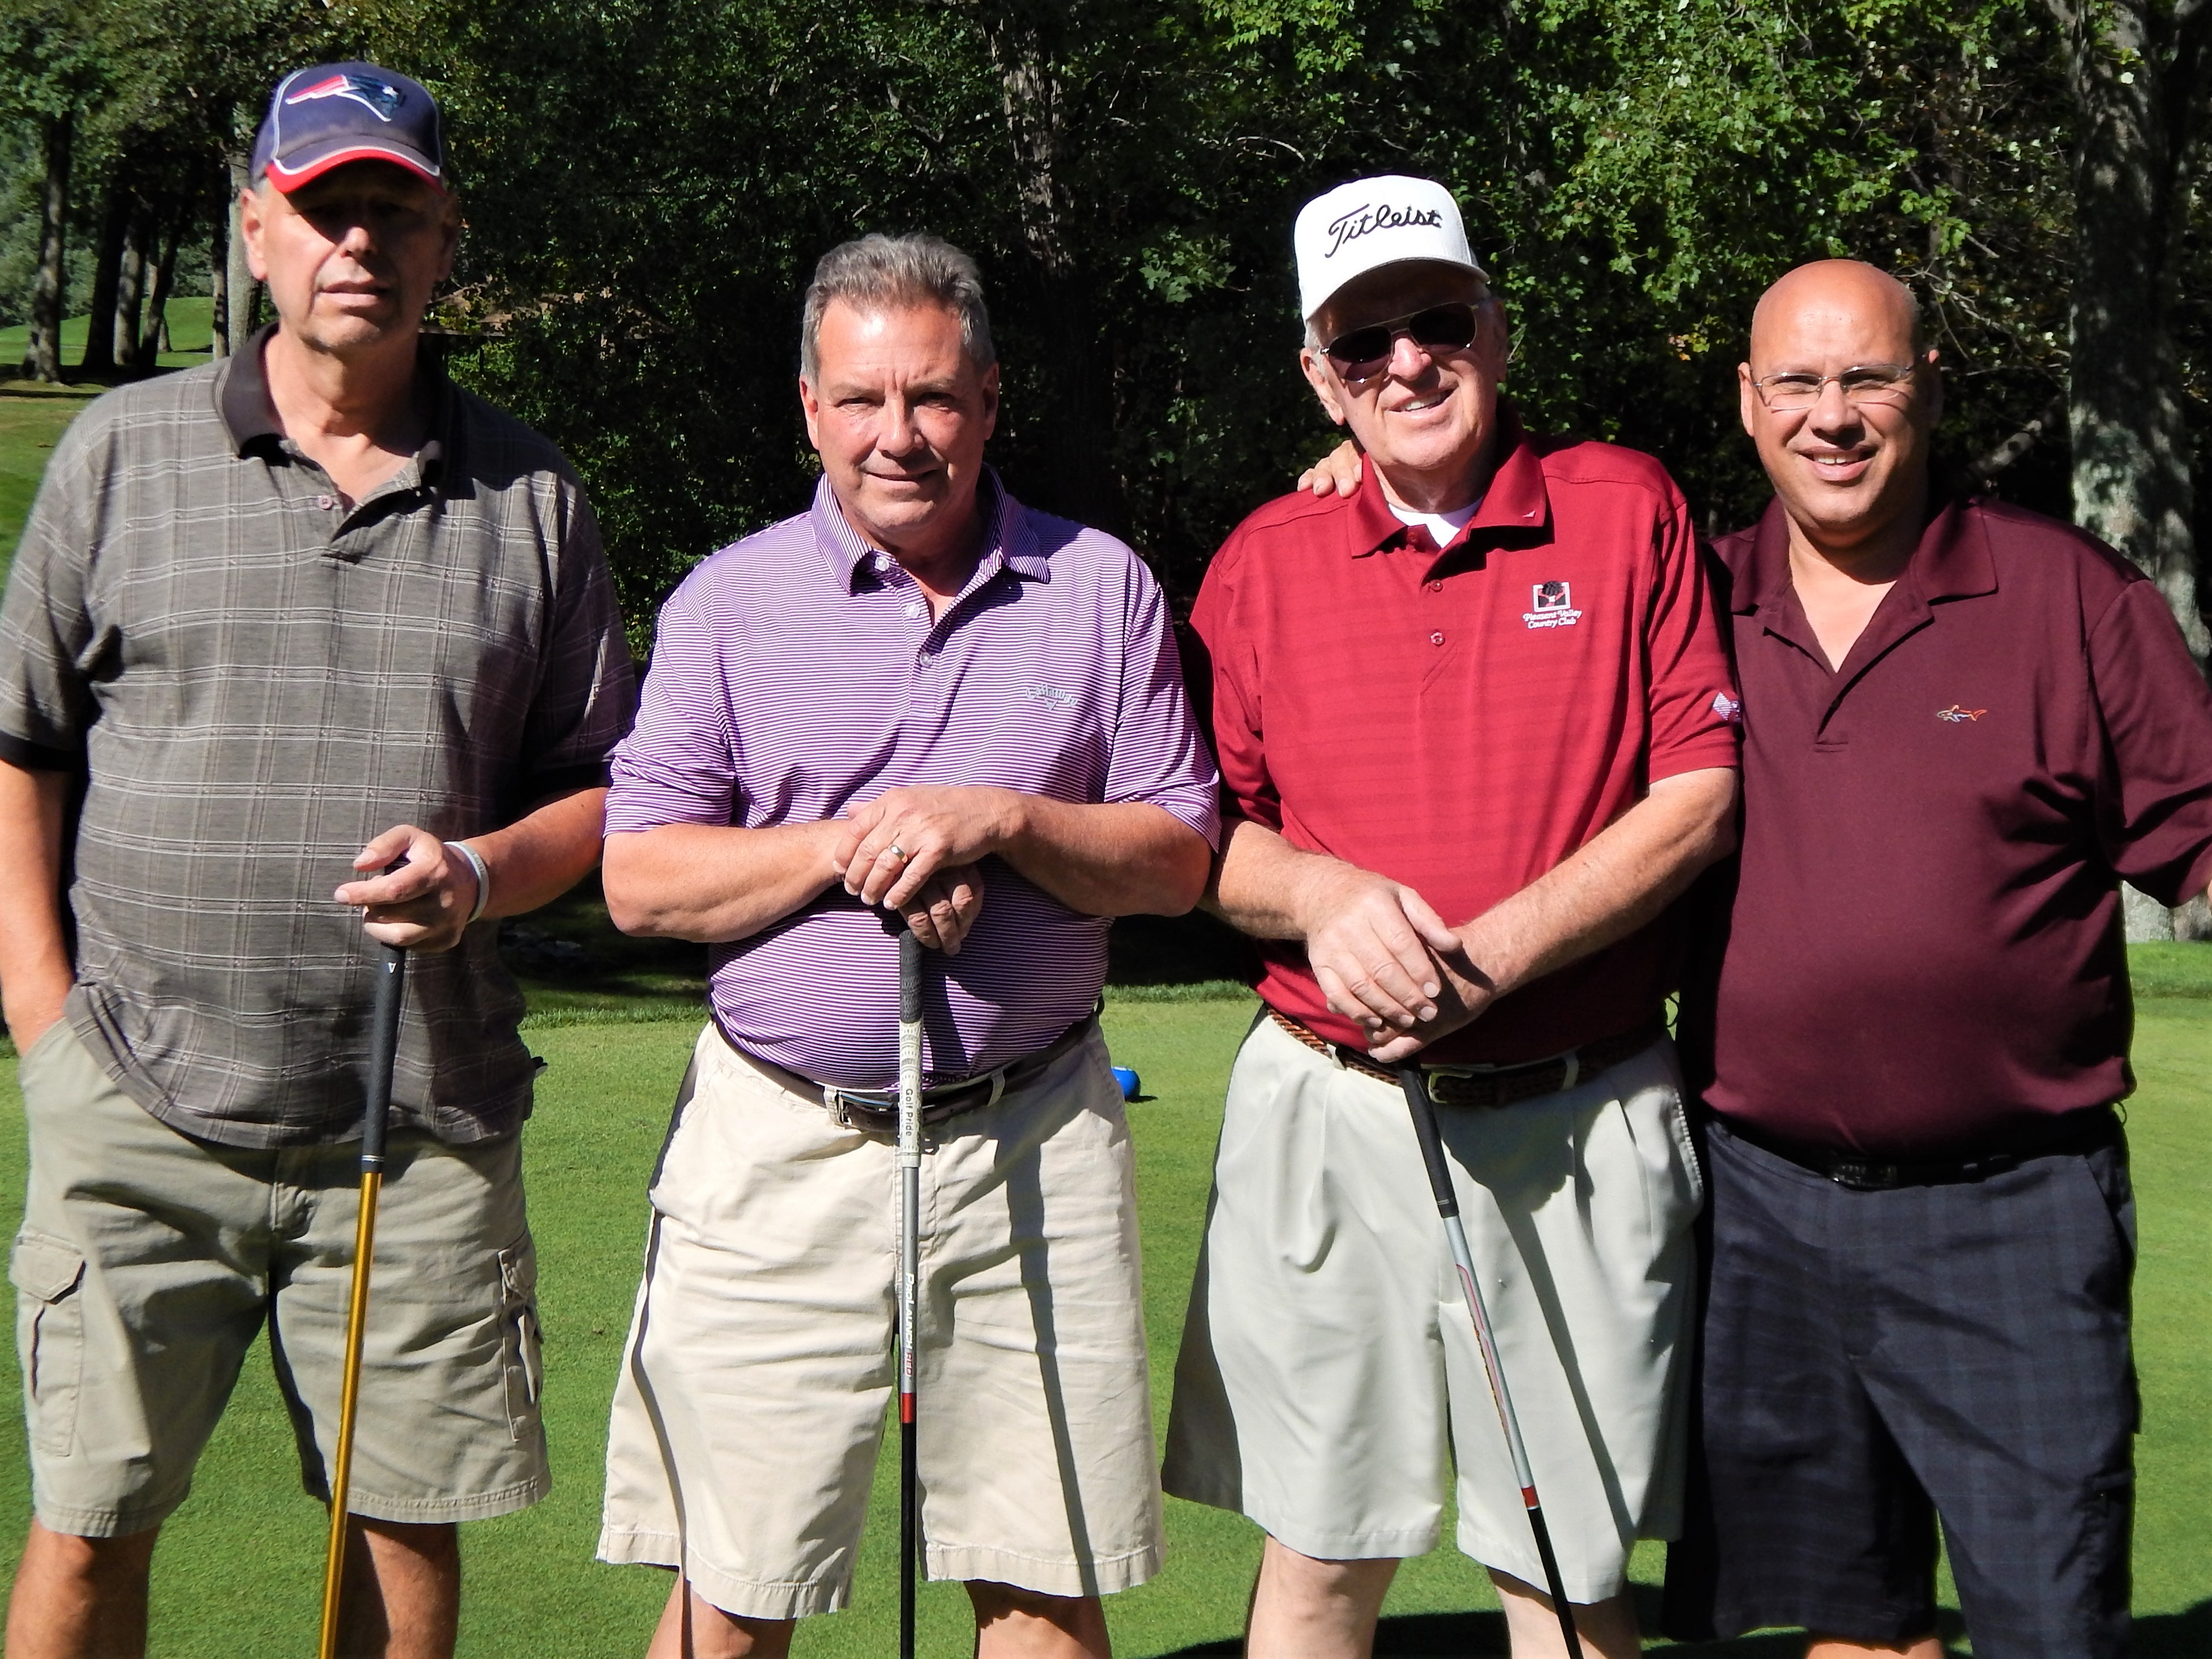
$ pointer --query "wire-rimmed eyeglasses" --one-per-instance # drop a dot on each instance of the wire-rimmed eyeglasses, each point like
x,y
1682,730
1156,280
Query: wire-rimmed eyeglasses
x,y
1795,391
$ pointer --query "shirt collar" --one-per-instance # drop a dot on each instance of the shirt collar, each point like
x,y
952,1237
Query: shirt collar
x,y
1516,498
1009,541
1952,560
242,398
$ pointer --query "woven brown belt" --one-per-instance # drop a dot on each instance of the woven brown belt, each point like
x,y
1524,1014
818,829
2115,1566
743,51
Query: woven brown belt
x,y
1492,1086
877,1113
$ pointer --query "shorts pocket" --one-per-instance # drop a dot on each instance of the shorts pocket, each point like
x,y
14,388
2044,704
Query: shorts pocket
x,y
521,1347
49,1334
35,1059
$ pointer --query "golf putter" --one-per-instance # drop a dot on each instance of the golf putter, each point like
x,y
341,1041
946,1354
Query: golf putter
x,y
909,1271
383,1052
1433,1156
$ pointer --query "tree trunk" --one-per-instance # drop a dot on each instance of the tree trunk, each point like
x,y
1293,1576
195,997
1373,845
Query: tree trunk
x,y
157,339
2132,72
106,275
42,348
131,282
242,290
1069,466
219,288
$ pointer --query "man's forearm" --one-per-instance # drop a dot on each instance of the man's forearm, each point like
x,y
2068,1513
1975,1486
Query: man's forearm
x,y
36,971
1124,859
1262,886
544,854
1624,877
714,885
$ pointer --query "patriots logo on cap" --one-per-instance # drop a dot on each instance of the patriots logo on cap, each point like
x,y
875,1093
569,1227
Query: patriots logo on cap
x,y
380,98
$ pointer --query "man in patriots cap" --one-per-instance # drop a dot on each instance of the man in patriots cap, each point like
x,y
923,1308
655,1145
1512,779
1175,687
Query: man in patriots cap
x,y
301,651
1476,730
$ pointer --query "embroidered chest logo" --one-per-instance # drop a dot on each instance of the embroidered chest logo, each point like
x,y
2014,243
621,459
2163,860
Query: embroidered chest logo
x,y
1550,605
1955,715
1054,694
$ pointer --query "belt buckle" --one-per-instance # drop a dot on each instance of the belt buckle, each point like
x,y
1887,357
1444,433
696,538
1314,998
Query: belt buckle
x,y
1859,1176
1432,1075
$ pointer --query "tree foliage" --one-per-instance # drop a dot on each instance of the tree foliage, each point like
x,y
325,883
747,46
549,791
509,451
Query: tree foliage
x,y
647,183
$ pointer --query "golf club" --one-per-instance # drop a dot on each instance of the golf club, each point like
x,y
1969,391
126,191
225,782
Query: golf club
x,y
1433,1156
909,1270
383,1051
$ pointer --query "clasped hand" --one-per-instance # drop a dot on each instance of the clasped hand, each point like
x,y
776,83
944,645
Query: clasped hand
x,y
1385,958
916,851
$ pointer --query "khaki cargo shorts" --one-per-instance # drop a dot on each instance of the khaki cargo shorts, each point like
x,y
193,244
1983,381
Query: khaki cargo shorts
x,y
148,1260
1328,1370
751,1400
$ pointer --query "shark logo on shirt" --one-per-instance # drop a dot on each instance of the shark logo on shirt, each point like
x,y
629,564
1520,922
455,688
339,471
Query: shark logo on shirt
x,y
1955,715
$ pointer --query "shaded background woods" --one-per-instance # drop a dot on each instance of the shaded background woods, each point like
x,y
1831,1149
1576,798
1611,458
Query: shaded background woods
x,y
648,182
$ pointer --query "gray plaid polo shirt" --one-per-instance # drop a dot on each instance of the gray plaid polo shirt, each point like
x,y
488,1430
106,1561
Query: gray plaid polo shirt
x,y
252,681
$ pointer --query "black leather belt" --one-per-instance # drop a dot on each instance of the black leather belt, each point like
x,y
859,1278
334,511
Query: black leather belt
x,y
1492,1086
876,1111
2084,1131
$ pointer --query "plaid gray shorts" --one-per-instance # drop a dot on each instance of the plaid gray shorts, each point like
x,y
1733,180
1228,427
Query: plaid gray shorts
x,y
1873,1361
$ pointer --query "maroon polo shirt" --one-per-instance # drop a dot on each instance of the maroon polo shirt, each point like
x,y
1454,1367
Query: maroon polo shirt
x,y
1463,719
1925,950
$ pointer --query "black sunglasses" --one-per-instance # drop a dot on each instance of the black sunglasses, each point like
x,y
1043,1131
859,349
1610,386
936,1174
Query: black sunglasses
x,y
1365,352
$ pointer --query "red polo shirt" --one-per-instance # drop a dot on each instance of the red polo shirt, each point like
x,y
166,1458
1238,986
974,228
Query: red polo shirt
x,y
1925,946
1462,721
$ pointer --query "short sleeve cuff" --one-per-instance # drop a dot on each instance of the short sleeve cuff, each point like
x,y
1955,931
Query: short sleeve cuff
x,y
1700,754
28,757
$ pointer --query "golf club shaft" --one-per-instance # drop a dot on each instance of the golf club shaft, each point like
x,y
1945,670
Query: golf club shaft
x,y
909,1267
1440,1183
383,1053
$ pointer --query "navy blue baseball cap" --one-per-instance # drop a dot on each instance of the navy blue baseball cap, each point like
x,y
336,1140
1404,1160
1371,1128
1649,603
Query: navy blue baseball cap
x,y
324,116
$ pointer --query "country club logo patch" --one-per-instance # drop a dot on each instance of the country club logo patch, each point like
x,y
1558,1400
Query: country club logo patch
x,y
1955,715
1550,605
1730,710
380,98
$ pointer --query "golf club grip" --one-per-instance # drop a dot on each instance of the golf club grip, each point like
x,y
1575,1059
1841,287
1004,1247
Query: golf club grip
x,y
1432,1146
383,1050
1554,1585
910,975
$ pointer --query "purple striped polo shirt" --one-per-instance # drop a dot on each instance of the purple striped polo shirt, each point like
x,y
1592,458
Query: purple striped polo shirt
x,y
797,674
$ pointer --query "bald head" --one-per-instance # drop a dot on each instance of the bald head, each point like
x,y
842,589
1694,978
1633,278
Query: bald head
x,y
1842,397
1868,314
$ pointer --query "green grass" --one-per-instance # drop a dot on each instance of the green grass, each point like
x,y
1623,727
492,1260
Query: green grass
x,y
33,415
237,1574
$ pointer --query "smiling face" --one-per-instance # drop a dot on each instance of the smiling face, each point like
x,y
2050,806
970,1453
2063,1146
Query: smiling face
x,y
899,413
1427,417
1845,472
351,257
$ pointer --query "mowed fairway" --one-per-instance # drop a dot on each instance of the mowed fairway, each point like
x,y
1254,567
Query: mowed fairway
x,y
238,1573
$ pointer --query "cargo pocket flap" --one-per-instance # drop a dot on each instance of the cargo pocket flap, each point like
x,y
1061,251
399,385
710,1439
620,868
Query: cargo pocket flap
x,y
44,1268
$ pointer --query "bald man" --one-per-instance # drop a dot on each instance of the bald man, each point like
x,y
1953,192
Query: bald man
x,y
1964,725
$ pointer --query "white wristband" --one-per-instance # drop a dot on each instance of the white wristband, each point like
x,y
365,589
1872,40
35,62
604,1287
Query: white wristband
x,y
484,876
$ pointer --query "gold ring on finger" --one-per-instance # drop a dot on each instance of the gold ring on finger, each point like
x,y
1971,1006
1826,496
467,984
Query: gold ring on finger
x,y
897,852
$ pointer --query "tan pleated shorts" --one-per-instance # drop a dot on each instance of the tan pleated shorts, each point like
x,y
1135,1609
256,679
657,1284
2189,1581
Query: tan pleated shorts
x,y
761,1357
1328,1372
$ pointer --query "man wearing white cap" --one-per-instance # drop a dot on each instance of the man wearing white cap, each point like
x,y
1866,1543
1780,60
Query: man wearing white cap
x,y
1476,730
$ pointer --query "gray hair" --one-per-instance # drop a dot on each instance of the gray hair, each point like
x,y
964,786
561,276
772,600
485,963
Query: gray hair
x,y
877,272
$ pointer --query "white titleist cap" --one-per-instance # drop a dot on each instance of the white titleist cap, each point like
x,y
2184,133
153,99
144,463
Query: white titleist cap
x,y
1375,221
